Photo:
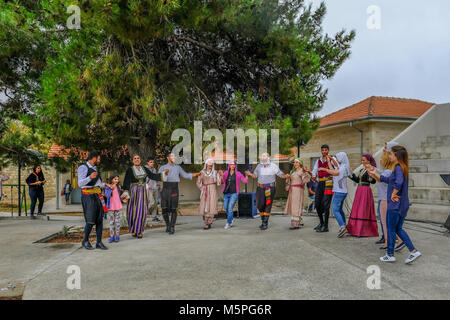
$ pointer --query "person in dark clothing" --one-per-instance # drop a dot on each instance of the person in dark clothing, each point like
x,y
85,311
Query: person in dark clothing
x,y
36,183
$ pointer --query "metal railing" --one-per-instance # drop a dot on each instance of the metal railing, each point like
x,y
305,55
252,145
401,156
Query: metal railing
x,y
22,200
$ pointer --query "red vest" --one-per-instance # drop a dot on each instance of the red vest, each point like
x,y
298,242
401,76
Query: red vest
x,y
323,174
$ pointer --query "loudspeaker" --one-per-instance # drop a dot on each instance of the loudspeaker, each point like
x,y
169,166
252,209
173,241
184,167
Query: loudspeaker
x,y
247,204
447,223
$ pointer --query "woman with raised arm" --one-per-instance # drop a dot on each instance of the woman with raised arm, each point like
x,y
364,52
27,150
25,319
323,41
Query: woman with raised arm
x,y
135,190
398,203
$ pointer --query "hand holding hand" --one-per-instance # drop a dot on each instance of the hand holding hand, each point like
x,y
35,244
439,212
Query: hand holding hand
x,y
395,198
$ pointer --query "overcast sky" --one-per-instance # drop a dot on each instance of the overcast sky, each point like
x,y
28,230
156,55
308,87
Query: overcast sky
x,y
408,57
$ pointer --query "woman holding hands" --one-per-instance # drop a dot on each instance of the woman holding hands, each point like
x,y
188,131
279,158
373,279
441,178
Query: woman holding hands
x,y
295,184
398,203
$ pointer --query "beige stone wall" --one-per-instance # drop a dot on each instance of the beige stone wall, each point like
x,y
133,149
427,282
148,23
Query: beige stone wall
x,y
12,172
347,139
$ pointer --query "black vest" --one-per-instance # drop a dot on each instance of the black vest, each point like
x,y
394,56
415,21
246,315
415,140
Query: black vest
x,y
93,181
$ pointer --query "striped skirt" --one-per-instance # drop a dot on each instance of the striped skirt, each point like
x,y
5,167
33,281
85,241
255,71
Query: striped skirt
x,y
137,209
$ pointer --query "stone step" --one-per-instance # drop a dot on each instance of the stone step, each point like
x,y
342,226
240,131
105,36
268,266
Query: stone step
x,y
426,180
424,155
418,169
428,212
432,165
430,195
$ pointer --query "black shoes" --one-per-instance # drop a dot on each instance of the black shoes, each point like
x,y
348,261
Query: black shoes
x,y
87,245
381,241
323,228
294,228
318,226
100,245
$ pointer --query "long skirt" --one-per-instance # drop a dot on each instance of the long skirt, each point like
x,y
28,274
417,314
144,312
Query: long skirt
x,y
137,209
363,221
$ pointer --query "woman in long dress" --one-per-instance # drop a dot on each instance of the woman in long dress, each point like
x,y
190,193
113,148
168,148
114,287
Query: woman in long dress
x,y
135,189
363,221
207,182
296,186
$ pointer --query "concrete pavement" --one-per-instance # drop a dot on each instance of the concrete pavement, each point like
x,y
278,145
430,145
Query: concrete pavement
x,y
240,263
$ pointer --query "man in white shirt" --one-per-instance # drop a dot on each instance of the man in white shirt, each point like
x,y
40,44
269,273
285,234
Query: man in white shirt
x,y
266,173
90,182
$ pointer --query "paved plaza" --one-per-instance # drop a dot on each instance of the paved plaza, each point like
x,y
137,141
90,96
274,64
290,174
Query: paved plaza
x,y
240,263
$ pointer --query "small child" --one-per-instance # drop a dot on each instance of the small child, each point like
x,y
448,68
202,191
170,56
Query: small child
x,y
114,205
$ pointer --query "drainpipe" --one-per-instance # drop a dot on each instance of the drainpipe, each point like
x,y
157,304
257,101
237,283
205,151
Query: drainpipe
x,y
360,136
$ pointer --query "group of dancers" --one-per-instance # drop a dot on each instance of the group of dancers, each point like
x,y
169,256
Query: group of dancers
x,y
331,172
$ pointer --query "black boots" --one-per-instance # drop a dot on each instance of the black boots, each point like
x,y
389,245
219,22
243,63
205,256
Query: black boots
x,y
165,215
173,220
265,222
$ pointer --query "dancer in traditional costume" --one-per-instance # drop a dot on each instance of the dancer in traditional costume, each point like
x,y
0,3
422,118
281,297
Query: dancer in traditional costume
x,y
266,173
169,192
94,206
135,190
207,182
324,192
299,176
363,221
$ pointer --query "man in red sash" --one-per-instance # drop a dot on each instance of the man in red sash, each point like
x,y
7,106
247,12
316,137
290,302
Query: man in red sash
x,y
324,192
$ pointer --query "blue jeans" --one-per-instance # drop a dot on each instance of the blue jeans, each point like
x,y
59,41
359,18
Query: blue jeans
x,y
394,223
229,200
338,201
311,205
379,217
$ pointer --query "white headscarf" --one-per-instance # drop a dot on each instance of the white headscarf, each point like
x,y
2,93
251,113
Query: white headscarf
x,y
343,159
213,170
390,145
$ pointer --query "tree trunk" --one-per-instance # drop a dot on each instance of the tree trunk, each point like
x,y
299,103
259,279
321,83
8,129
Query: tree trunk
x,y
144,146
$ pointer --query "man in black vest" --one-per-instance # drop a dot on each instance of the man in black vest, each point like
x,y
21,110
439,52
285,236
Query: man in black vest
x,y
90,182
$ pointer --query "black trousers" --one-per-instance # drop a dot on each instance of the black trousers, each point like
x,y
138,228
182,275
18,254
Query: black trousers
x,y
261,199
93,215
322,203
36,195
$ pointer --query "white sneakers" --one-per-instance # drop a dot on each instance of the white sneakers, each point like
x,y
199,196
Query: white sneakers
x,y
229,225
410,259
388,258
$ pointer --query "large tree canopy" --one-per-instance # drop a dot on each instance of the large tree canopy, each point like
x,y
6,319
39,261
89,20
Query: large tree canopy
x,y
138,69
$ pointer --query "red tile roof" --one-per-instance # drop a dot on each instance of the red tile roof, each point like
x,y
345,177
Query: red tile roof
x,y
378,107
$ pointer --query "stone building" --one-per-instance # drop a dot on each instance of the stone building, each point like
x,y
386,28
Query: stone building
x,y
363,127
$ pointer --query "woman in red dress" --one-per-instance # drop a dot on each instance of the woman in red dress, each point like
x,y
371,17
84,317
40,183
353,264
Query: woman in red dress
x,y
363,221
